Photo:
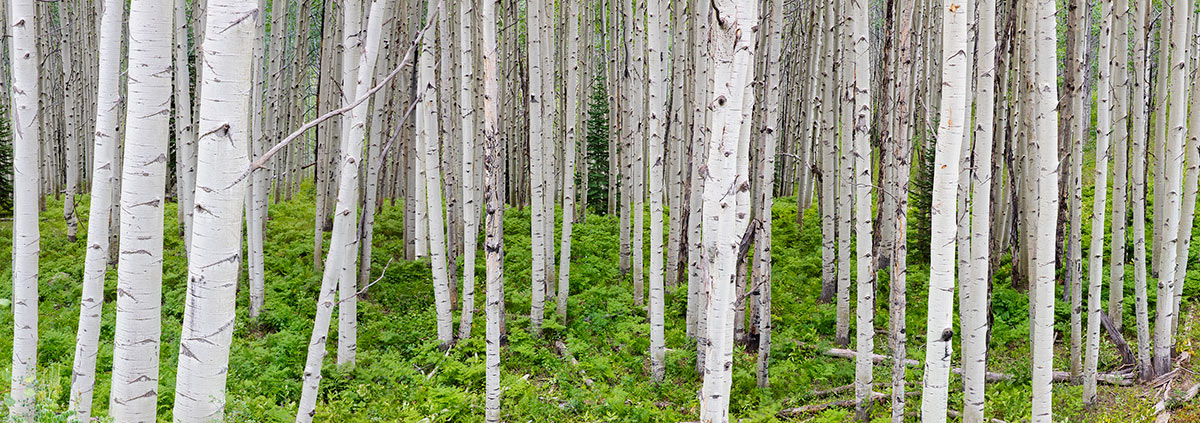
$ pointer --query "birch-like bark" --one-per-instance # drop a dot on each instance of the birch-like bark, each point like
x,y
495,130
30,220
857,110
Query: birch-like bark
x,y
656,51
1169,193
568,175
697,291
898,273
470,209
829,159
638,85
731,45
1045,171
974,319
1078,124
351,136
71,98
185,127
863,182
939,333
23,61
134,395
766,183
215,260
95,264
1190,187
1096,249
340,262
1137,172
537,142
845,177
256,183
1121,170
493,191
427,128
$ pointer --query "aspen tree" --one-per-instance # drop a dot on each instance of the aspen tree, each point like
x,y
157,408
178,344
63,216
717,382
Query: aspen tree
x,y
731,46
703,97
352,45
974,320
470,209
1045,172
898,273
656,51
638,84
493,189
829,165
1120,140
1190,176
1137,171
185,127
343,243
1104,125
139,272
1168,193
71,82
256,182
91,304
427,126
570,119
765,181
23,61
845,175
1077,126
214,263
865,302
537,142
939,333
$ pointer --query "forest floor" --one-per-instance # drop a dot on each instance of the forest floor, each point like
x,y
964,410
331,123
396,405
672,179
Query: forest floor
x,y
402,376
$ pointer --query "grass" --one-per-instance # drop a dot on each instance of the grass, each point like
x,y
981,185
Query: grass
x,y
402,376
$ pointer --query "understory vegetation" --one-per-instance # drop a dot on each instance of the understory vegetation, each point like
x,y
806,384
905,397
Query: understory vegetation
x,y
601,376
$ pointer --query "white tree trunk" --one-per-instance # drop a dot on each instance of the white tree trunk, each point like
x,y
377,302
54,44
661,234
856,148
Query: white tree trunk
x,y
493,192
23,59
863,182
656,50
568,175
939,331
766,183
215,260
351,135
467,112
974,322
1120,141
143,181
340,262
537,142
731,45
1137,171
427,128
108,98
1045,173
1168,194
185,127
1096,249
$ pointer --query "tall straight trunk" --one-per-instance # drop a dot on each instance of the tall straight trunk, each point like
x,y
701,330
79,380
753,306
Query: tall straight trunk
x,y
340,262
71,92
351,136
863,180
1137,171
139,272
493,192
766,182
215,260
1120,138
427,127
902,144
91,304
974,322
677,148
470,208
185,127
1169,192
23,61
697,293
731,45
1160,92
255,219
829,165
537,142
637,95
1078,124
1045,134
325,100
939,332
845,177
568,174
1190,187
1104,126
657,24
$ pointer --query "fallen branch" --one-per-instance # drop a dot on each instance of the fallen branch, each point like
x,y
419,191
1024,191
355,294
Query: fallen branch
x,y
1119,378
1161,406
566,353
816,408
833,391
1117,339
955,415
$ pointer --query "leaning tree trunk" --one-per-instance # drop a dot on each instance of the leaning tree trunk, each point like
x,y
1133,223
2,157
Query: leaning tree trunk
x,y
26,238
939,331
731,45
95,263
215,260
139,272
340,262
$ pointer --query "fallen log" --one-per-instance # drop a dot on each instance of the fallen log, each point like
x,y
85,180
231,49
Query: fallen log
x,y
1117,339
566,353
817,408
1164,415
1121,379
956,415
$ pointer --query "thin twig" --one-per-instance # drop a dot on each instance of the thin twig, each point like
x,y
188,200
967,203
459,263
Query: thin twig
x,y
364,289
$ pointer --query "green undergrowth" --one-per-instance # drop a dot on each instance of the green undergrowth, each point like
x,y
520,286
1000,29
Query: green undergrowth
x,y
401,375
